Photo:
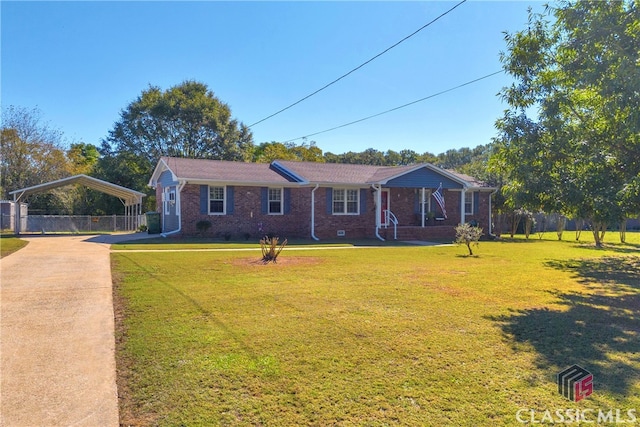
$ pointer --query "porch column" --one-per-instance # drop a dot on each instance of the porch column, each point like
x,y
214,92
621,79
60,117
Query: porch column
x,y
462,197
422,207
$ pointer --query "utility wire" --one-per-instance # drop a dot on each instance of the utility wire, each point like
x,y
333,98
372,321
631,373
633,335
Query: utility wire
x,y
359,66
397,108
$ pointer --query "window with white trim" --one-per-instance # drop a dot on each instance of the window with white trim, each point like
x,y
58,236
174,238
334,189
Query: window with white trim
x,y
275,201
346,201
169,199
216,200
468,203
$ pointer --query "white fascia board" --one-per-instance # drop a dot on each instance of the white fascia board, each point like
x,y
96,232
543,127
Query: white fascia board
x,y
200,181
338,184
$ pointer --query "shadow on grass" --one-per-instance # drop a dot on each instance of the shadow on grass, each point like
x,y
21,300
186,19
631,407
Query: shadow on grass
x,y
622,248
599,330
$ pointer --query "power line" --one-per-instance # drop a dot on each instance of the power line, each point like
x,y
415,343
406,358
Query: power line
x,y
359,66
397,108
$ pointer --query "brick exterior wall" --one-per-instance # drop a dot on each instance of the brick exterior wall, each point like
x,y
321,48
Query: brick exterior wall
x,y
247,218
354,226
482,216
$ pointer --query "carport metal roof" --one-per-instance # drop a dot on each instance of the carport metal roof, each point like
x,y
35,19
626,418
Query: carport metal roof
x,y
128,197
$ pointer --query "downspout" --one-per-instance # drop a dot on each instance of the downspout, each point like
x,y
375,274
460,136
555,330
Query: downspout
x,y
313,213
178,209
378,209
462,197
490,212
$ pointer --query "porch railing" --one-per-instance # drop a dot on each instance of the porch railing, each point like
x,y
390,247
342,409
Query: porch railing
x,y
389,217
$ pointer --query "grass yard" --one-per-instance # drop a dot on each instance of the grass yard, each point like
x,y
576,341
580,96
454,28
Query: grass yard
x,y
9,243
374,336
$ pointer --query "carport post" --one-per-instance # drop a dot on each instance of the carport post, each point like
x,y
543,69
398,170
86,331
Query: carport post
x,y
18,214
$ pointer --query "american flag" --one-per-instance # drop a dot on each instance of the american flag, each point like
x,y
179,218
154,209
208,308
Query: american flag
x,y
440,199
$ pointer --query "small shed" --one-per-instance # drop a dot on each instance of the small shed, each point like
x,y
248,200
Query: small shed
x,y
8,215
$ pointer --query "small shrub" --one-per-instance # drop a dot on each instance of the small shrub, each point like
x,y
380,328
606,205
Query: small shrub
x,y
203,226
142,228
270,248
468,234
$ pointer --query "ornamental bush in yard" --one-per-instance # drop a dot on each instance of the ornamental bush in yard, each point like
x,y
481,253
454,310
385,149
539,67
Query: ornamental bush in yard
x,y
468,234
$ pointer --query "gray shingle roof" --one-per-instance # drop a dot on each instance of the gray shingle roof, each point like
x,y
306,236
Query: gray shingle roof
x,y
286,171
340,173
223,171
471,181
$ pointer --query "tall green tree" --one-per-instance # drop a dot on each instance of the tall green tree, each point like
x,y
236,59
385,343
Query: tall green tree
x,y
82,158
187,120
570,141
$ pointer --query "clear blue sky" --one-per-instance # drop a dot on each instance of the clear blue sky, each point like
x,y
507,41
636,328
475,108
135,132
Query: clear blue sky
x,y
81,63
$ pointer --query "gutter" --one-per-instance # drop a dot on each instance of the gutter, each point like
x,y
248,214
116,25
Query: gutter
x,y
313,213
378,207
178,209
490,212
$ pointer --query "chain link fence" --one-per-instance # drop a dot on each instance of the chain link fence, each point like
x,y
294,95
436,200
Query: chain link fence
x,y
73,223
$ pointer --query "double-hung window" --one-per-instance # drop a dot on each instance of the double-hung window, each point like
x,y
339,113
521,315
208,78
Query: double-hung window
x,y
165,197
275,201
346,201
216,200
468,203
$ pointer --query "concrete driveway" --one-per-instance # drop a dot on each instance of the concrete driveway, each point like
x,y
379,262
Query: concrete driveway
x,y
57,334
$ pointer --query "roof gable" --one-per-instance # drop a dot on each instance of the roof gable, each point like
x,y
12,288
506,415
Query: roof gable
x,y
423,177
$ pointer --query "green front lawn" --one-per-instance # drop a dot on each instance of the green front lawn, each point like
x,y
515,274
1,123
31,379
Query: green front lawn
x,y
374,336
9,243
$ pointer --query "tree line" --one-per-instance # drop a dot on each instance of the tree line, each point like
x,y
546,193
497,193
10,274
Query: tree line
x,y
568,143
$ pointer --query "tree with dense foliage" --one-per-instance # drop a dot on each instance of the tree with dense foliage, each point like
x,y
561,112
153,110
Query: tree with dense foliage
x,y
82,158
30,153
270,151
186,120
581,74
371,156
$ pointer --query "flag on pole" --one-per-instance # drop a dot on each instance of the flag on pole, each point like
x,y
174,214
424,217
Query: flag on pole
x,y
440,199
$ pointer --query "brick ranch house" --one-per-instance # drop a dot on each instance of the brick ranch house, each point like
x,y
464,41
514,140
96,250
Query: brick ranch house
x,y
317,200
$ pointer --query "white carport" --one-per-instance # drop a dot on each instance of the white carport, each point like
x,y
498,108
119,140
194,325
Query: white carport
x,y
131,199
